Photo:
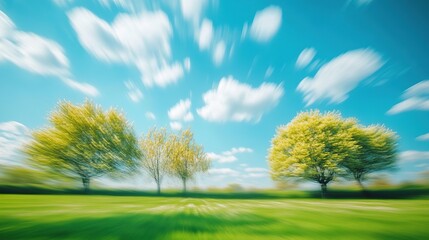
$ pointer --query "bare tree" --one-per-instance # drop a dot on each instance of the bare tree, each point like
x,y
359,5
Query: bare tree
x,y
154,149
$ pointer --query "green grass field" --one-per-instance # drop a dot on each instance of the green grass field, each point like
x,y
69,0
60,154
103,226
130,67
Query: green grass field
x,y
116,217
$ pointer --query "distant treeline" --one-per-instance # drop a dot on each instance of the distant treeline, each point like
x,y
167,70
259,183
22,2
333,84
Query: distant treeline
x,y
400,192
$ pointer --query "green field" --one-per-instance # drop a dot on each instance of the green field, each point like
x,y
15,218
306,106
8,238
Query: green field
x,y
115,217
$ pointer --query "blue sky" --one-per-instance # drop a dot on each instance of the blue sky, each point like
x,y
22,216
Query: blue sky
x,y
231,70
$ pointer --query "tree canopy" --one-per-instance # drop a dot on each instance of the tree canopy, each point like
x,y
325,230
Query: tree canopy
x,y
186,157
320,147
312,146
377,151
85,141
154,146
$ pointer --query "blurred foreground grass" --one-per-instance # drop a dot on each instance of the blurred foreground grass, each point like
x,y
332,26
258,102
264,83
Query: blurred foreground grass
x,y
134,217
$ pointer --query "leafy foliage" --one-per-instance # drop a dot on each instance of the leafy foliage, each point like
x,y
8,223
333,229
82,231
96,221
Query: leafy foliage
x,y
154,146
312,146
377,151
84,141
186,156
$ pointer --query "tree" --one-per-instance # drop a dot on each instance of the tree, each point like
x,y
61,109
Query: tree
x,y
377,151
311,147
86,142
154,147
186,157
29,176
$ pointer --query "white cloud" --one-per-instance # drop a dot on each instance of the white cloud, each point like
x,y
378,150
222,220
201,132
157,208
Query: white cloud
x,y
235,101
34,54
219,53
224,171
412,155
175,125
269,72
423,137
337,78
180,113
221,158
228,156
205,34
150,116
416,98
141,40
37,54
134,92
305,57
217,40
13,136
192,10
166,75
266,24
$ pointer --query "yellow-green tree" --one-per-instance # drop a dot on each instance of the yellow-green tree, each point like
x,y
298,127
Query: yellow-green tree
x,y
186,157
154,146
377,152
311,147
85,141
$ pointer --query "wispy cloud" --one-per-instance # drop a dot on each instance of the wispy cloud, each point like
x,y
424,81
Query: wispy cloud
x,y
187,64
219,53
192,10
205,35
223,171
229,172
266,24
228,156
256,170
37,54
62,3
269,72
413,155
141,40
424,137
85,88
134,92
305,57
150,116
337,78
236,101
415,98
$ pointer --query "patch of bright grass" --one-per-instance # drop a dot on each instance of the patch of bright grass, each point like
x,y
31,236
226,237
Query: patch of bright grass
x,y
133,217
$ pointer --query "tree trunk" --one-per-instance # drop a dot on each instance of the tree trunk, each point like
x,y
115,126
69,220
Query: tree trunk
x,y
324,189
184,185
85,182
158,186
364,191
361,184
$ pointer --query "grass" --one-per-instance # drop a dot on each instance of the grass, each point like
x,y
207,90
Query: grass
x,y
136,217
